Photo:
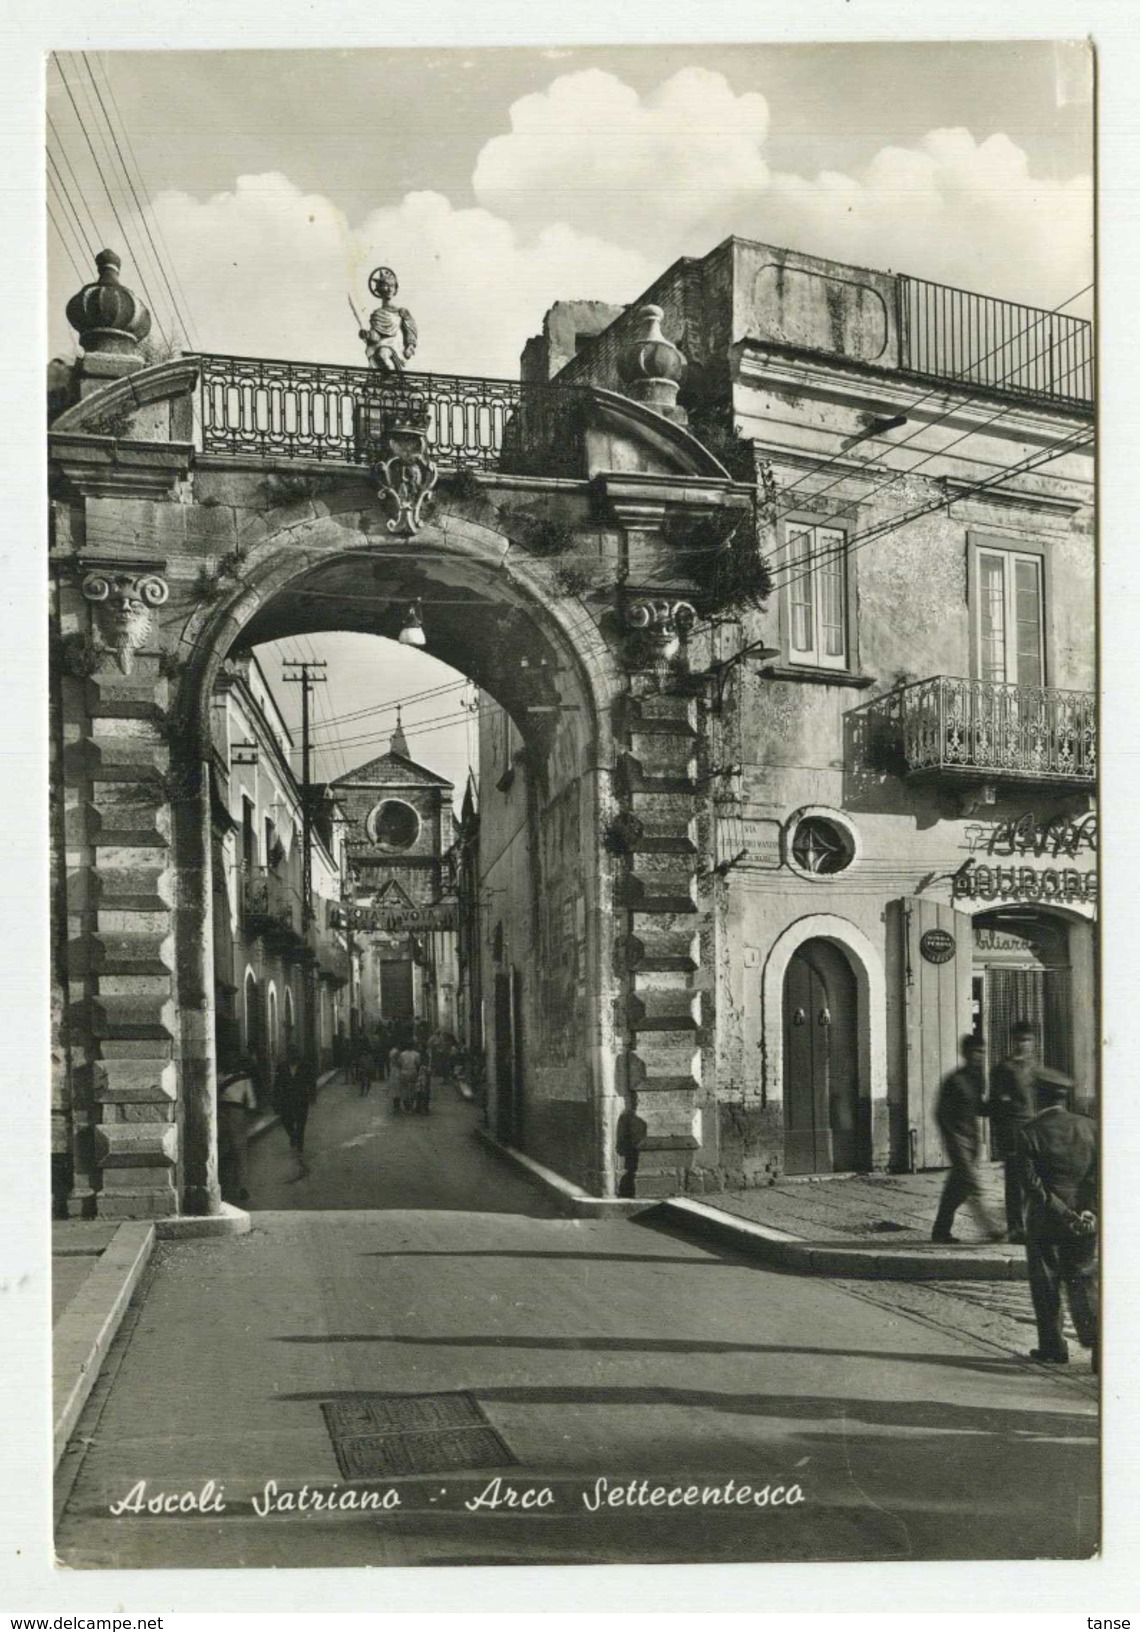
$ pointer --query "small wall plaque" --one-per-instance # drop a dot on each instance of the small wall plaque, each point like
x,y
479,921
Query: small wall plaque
x,y
937,946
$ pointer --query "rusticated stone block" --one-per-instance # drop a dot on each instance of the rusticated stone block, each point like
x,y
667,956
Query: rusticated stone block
x,y
125,696
121,954
671,1009
661,941
665,711
146,1081
136,1144
131,1017
114,1202
664,1062
663,755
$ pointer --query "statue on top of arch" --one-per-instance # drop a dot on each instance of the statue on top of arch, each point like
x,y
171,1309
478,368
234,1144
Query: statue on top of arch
x,y
391,336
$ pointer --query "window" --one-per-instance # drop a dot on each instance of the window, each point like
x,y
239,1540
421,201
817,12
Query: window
x,y
1008,617
394,825
819,846
816,596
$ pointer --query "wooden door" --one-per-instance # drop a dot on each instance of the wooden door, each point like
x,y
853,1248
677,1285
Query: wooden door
x,y
823,1127
504,1061
938,961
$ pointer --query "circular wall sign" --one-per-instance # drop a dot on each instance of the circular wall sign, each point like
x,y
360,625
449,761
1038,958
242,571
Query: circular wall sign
x,y
937,946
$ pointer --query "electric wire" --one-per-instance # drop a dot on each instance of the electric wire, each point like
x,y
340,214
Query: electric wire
x,y
158,261
940,390
128,241
59,186
95,235
62,239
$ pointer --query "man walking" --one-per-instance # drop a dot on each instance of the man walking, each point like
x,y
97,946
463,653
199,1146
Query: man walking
x,y
1059,1174
295,1091
959,1106
1012,1104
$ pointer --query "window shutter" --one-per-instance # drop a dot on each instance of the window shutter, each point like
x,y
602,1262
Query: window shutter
x,y
937,1010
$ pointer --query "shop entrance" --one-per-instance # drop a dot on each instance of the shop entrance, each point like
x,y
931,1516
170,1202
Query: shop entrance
x,y
1022,972
821,1073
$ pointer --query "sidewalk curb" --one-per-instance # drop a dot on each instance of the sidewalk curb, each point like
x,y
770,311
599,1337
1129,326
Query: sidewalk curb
x,y
571,1198
785,1251
87,1327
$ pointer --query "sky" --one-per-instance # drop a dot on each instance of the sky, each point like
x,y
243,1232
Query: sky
x,y
498,181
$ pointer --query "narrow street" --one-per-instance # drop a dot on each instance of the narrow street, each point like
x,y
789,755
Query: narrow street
x,y
411,1262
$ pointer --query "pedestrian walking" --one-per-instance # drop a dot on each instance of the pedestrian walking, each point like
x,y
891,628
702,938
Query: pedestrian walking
x,y
406,1066
381,1044
295,1091
1058,1156
362,1064
237,1107
1013,1103
959,1106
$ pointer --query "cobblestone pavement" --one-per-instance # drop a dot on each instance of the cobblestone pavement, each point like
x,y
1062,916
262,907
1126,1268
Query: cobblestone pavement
x,y
875,1205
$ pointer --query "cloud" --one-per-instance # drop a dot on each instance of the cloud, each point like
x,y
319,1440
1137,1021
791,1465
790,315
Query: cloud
x,y
679,169
267,271
590,194
638,170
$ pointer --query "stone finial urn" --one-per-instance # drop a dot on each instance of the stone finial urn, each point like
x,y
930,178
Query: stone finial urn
x,y
107,316
651,367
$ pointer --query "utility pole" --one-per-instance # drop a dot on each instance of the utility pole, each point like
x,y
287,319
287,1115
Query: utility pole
x,y
307,675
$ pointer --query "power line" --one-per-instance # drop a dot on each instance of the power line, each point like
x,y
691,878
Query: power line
x,y
857,541
63,240
130,183
127,240
96,235
939,390
898,476
56,181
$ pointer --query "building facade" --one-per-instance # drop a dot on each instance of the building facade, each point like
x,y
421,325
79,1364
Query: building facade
x,y
901,744
782,584
400,833
279,982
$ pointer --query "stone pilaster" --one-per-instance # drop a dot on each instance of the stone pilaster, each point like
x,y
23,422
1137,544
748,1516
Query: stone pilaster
x,y
661,953
120,900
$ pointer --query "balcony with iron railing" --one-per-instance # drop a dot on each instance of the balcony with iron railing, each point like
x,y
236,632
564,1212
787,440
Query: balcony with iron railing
x,y
271,903
983,731
266,408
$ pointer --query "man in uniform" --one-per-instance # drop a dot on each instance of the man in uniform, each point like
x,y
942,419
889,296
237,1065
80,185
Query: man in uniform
x,y
1013,1103
959,1107
1058,1158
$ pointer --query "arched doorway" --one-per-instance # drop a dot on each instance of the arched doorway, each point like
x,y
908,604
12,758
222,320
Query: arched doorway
x,y
823,1124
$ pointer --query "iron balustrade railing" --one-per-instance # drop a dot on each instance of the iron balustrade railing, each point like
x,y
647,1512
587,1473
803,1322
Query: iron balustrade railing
x,y
981,726
270,901
269,409
961,336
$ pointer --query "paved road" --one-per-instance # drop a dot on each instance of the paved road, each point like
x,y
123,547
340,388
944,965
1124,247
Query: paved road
x,y
595,1350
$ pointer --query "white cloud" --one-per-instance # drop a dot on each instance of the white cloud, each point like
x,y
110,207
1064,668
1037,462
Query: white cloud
x,y
267,271
589,151
591,194
677,170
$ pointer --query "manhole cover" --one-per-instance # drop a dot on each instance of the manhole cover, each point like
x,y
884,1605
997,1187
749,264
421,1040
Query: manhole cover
x,y
382,1436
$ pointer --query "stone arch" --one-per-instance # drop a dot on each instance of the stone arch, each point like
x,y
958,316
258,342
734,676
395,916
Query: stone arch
x,y
866,963
274,574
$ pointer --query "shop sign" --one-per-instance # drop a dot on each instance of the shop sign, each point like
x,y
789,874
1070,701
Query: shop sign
x,y
976,882
400,920
937,946
1029,835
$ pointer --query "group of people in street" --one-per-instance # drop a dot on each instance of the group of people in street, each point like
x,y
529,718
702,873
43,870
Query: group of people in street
x,y
1050,1158
407,1054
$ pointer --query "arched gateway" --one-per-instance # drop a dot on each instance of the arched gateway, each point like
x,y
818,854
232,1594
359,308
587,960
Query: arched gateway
x,y
561,563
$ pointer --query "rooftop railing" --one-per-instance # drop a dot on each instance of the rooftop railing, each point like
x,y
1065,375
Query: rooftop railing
x,y
958,336
265,408
980,727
